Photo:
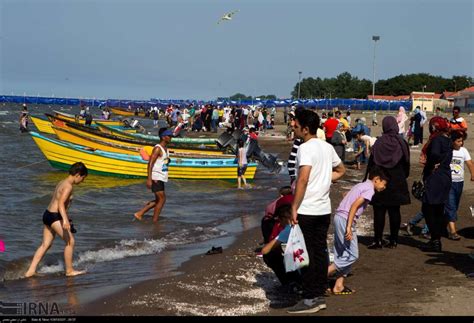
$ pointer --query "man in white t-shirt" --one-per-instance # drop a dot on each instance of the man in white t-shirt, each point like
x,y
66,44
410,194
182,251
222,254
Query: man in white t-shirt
x,y
318,167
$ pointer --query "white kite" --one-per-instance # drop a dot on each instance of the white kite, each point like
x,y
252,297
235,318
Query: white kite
x,y
227,16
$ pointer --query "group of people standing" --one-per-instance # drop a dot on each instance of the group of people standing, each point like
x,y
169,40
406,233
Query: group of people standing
x,y
314,165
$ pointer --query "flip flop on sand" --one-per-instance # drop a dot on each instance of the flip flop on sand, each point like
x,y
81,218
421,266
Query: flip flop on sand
x,y
214,251
345,291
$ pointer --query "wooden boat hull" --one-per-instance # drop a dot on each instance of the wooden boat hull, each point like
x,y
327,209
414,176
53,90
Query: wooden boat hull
x,y
125,113
62,155
65,134
192,141
42,124
72,118
96,134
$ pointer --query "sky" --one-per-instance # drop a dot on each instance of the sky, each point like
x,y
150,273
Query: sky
x,y
142,49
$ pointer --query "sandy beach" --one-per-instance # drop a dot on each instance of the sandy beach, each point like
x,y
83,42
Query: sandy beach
x,y
401,281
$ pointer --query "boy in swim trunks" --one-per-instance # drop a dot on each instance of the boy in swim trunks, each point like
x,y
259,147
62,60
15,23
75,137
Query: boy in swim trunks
x,y
56,221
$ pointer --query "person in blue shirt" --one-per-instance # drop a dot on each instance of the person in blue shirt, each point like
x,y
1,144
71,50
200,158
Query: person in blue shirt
x,y
273,251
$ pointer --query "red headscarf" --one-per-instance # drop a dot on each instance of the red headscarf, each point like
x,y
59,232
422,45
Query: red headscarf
x,y
437,126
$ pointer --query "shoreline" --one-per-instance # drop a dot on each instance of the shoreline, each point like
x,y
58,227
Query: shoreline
x,y
402,281
238,283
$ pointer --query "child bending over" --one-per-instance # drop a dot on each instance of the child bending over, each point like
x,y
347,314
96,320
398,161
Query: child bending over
x,y
346,251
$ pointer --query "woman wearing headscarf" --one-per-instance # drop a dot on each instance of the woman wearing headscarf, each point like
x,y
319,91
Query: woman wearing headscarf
x,y
339,141
417,129
391,153
436,155
401,120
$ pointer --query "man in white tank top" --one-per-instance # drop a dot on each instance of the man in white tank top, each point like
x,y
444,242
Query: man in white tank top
x,y
157,176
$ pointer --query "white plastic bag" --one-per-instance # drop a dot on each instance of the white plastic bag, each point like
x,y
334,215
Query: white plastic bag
x,y
295,256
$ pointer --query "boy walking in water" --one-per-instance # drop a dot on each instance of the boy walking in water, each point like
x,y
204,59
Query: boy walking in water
x,y
346,251
157,175
242,165
56,221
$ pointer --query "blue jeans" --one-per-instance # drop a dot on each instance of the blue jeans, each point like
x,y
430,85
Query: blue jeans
x,y
214,124
452,205
416,219
362,158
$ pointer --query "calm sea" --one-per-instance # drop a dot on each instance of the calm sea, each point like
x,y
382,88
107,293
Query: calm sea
x,y
115,250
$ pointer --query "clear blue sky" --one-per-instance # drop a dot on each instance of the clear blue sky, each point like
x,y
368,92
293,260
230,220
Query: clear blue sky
x,y
141,49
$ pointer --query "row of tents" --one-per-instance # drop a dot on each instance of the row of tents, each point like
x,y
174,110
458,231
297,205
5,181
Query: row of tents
x,y
353,104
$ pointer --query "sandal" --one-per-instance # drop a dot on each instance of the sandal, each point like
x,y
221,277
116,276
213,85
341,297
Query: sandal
x,y
345,291
454,236
214,251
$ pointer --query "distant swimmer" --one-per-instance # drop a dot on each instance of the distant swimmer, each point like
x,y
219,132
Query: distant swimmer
x,y
56,221
157,175
227,16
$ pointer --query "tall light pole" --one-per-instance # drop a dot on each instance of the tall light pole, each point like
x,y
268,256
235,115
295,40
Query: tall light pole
x,y
423,98
375,39
299,84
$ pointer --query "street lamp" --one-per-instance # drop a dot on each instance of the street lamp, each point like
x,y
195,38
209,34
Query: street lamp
x,y
375,39
423,97
299,84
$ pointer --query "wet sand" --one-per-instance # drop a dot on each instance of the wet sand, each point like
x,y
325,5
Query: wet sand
x,y
401,281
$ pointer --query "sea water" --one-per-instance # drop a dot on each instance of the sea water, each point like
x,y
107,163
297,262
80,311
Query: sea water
x,y
115,250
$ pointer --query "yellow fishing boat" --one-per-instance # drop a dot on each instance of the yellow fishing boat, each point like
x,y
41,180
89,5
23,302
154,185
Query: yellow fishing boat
x,y
126,112
97,143
42,124
111,139
73,118
62,155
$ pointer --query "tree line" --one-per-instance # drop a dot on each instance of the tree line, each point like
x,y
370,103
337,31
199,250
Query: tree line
x,y
347,86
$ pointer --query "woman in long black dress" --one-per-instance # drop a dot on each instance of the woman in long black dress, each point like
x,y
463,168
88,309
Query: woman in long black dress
x,y
390,152
437,179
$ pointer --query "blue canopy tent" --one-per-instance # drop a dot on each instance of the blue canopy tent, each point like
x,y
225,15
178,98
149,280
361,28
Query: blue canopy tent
x,y
353,104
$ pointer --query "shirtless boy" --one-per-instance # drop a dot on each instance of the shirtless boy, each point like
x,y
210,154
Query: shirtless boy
x,y
56,221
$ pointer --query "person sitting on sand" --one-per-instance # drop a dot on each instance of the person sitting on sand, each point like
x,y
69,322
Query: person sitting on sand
x,y
346,250
157,175
56,221
273,252
269,219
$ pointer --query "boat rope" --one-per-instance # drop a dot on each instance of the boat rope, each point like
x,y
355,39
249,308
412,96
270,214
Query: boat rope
x,y
32,164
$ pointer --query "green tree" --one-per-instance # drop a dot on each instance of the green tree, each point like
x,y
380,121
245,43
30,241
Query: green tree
x,y
347,86
239,97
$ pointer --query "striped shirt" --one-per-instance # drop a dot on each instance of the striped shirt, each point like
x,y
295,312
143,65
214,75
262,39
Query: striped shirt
x,y
292,159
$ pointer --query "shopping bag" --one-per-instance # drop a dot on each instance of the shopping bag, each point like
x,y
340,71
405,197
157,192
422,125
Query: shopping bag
x,y
295,256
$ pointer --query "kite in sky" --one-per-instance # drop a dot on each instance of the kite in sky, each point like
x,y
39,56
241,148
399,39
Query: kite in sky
x,y
227,16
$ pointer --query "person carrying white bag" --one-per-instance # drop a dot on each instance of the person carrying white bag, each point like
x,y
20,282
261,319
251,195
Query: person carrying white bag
x,y
318,166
